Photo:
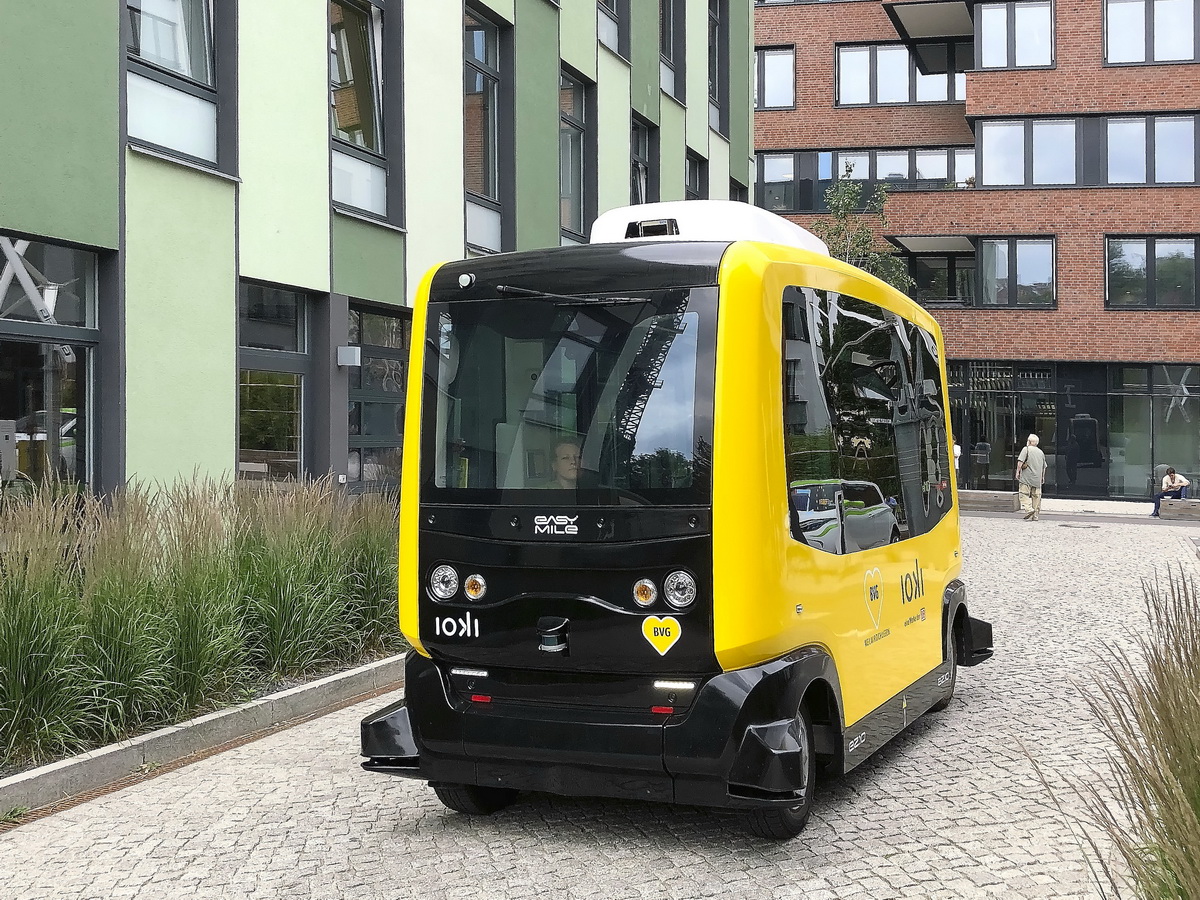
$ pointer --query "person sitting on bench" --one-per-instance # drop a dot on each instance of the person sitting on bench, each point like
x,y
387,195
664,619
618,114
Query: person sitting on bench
x,y
1172,486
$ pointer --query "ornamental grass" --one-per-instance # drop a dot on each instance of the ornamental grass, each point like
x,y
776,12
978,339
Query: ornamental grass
x,y
126,613
1148,703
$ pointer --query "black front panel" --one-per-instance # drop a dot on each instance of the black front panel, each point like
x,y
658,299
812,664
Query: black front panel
x,y
533,586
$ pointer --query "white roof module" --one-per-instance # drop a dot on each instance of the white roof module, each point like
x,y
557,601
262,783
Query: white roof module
x,y
701,220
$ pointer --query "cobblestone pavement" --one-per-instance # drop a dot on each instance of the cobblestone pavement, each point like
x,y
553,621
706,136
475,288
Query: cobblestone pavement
x,y
952,809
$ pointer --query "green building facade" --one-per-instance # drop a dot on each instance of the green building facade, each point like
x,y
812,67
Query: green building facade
x,y
213,213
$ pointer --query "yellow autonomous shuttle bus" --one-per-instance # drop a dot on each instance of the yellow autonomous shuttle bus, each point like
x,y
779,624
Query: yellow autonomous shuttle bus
x,y
615,456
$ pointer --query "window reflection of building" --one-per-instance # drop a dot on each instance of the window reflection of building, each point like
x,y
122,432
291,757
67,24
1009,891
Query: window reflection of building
x,y
46,291
376,397
1104,427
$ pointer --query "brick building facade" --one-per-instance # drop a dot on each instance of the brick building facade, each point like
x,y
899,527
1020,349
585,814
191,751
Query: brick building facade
x,y
1042,162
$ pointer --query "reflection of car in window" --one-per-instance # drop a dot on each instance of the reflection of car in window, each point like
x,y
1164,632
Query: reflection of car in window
x,y
842,516
31,438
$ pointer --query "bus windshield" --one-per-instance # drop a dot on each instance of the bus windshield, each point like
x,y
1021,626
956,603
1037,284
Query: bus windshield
x,y
574,401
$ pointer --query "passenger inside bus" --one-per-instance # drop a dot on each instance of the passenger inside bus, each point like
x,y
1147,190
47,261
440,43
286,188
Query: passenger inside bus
x,y
565,465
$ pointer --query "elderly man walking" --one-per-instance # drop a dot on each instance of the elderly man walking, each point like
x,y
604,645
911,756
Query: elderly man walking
x,y
1031,474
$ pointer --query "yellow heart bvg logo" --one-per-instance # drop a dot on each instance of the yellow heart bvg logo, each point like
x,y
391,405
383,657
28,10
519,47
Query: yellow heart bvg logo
x,y
661,633
873,594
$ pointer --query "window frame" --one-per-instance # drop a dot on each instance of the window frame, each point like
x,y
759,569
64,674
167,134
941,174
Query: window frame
x,y
806,163
760,77
672,53
718,66
222,93
1148,38
502,205
98,405
301,363
952,73
587,154
697,190
618,13
1011,34
1149,124
360,442
1151,299
1028,127
1013,277
647,164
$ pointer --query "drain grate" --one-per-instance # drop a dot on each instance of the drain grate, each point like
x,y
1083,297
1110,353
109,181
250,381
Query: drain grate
x,y
1076,525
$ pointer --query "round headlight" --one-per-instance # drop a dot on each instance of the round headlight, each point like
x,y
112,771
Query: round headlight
x,y
443,582
474,587
645,593
679,589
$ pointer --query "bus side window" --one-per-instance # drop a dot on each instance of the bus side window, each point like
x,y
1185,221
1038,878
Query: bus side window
x,y
932,469
861,350
810,454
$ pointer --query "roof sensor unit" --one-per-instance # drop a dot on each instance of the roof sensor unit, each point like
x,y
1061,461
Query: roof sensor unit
x,y
651,228
701,220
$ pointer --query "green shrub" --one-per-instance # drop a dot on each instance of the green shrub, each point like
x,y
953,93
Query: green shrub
x,y
131,612
1147,703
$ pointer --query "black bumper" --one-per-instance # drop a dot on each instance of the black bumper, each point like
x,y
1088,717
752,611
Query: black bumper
x,y
978,639
735,724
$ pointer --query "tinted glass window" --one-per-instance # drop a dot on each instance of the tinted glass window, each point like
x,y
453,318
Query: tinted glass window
x,y
1033,30
1175,272
1035,273
1054,152
1125,31
594,400
993,40
1003,153
1126,272
892,80
854,75
865,429
1126,151
1174,150
1174,30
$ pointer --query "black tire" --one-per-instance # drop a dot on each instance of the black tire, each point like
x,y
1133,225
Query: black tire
x,y
951,657
779,823
473,799
895,538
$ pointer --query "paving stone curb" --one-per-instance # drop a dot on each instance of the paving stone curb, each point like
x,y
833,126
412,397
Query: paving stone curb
x,y
96,768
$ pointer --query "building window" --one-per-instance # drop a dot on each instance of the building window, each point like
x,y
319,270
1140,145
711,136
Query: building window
x,y
943,279
273,365
1016,35
175,35
718,65
695,177
1150,31
1016,272
1151,271
891,73
1030,152
377,392
572,153
481,132
47,334
671,48
1154,150
738,191
774,78
797,182
612,25
173,82
642,169
356,110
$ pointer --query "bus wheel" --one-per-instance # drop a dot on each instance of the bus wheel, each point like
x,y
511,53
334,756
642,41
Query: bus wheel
x,y
779,823
473,799
952,659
